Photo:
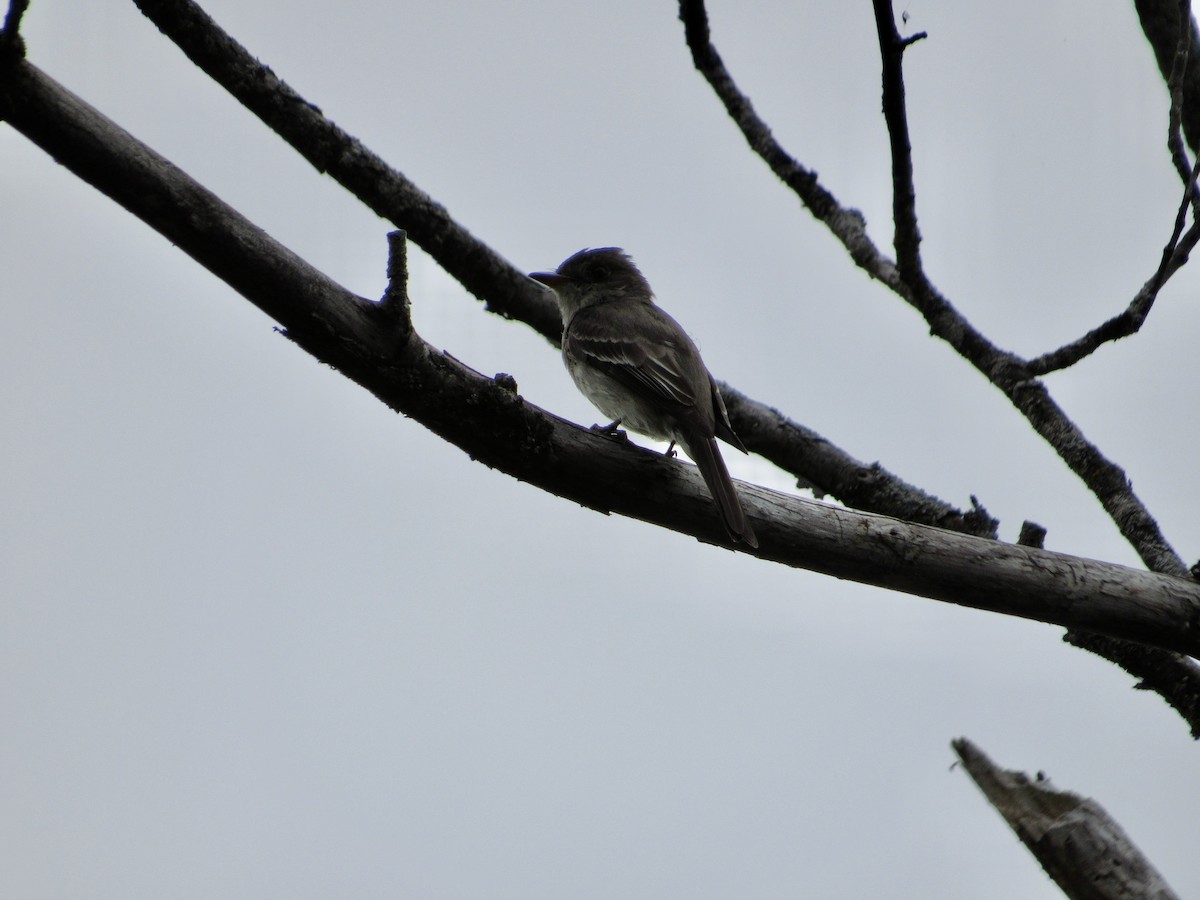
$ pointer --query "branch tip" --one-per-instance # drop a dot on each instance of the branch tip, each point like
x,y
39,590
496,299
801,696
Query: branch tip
x,y
11,41
395,303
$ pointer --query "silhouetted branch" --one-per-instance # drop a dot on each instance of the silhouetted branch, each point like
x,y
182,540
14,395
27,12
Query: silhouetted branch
x,y
1178,249
1173,677
847,225
1164,22
904,195
1174,256
832,471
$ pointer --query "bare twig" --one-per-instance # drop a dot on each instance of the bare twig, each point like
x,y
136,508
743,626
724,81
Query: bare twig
x,y
1005,370
904,195
1130,320
10,35
12,20
1178,248
1164,22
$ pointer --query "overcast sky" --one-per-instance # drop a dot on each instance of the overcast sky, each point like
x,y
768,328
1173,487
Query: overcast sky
x,y
263,638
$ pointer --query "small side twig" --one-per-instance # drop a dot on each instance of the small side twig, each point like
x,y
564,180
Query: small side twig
x,y
904,195
10,34
395,301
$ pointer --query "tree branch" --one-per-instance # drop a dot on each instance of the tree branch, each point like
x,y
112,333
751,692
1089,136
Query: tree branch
x,y
1080,846
1005,370
847,225
1164,27
1173,677
476,266
1178,249
1128,322
832,471
487,419
504,289
904,195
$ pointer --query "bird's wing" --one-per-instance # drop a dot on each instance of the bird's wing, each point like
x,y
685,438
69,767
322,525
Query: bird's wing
x,y
723,427
649,354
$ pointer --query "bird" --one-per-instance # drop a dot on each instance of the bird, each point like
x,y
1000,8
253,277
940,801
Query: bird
x,y
638,366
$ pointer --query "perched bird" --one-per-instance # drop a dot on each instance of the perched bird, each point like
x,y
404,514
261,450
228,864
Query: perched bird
x,y
640,368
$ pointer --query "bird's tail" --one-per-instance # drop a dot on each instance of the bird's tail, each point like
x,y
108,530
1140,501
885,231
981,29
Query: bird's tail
x,y
708,459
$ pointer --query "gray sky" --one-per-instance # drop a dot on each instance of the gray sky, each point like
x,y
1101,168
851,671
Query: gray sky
x,y
264,638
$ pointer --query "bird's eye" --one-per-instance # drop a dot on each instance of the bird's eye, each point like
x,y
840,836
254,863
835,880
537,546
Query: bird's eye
x,y
599,272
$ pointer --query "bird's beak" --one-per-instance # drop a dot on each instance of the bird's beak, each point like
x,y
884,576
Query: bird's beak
x,y
550,279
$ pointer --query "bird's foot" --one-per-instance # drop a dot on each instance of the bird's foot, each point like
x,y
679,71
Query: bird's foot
x,y
670,451
612,430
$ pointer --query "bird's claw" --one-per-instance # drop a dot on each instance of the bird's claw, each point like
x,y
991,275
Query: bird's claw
x,y
612,430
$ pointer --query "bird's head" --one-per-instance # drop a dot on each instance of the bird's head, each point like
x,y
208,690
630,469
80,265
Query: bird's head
x,y
595,276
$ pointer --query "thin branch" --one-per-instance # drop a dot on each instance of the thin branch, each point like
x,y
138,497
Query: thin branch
x,y
1164,22
847,225
1173,677
487,419
1178,248
1128,322
483,272
504,288
904,195
12,19
1179,63
1085,851
833,472
10,35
